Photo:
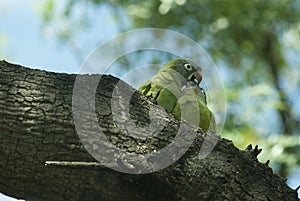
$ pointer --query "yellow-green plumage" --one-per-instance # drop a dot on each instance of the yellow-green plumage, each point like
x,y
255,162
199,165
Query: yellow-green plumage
x,y
170,88
166,85
164,88
192,107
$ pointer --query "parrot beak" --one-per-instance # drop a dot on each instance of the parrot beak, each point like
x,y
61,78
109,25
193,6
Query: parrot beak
x,y
196,77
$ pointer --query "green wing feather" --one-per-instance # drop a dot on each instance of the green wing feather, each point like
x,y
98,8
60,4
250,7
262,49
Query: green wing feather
x,y
164,87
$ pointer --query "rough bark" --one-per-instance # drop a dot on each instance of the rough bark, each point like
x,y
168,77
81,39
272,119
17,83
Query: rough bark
x,y
37,125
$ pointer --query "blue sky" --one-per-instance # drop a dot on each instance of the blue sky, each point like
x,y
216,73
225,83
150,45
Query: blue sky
x,y
23,41
24,44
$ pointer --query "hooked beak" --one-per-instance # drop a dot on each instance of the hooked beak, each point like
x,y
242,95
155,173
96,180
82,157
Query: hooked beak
x,y
196,77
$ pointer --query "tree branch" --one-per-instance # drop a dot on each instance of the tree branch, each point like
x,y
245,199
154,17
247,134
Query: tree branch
x,y
37,125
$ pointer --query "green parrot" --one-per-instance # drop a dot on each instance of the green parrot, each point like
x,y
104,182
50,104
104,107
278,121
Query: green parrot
x,y
193,99
166,86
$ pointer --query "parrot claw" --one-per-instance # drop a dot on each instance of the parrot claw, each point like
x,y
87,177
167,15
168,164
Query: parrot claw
x,y
204,94
156,96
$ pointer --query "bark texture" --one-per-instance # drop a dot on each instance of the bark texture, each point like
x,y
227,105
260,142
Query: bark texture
x,y
37,125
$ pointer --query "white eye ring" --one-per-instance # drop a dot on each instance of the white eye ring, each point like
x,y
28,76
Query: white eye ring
x,y
188,67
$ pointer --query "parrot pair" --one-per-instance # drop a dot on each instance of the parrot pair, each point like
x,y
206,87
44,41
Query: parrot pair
x,y
176,88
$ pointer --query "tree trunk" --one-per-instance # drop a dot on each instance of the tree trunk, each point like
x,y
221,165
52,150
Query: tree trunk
x,y
38,124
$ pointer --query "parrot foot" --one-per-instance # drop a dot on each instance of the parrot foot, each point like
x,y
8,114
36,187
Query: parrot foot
x,y
154,99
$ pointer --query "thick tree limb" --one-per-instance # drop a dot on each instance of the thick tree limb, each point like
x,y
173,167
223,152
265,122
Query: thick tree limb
x,y
37,125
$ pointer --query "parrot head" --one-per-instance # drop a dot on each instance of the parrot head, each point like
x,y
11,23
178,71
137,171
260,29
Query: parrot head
x,y
186,68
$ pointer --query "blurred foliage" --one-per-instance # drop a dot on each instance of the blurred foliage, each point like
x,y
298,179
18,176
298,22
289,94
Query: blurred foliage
x,y
255,44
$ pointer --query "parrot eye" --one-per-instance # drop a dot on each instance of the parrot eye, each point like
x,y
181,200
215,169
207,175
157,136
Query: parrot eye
x,y
188,67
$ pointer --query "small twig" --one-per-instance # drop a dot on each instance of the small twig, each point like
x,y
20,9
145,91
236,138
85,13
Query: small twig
x,y
249,147
267,163
74,164
254,152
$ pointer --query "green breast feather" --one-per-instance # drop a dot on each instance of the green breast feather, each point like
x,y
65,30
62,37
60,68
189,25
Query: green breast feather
x,y
192,107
